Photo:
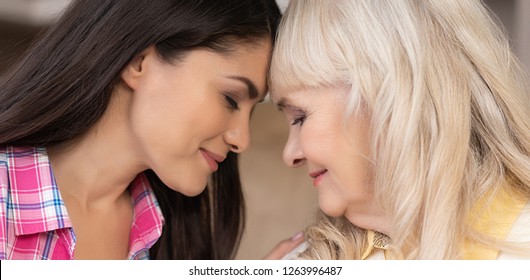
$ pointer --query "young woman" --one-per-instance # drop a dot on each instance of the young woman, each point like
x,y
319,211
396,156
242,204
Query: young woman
x,y
115,121
414,123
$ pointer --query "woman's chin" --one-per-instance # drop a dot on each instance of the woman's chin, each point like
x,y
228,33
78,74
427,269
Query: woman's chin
x,y
190,190
331,210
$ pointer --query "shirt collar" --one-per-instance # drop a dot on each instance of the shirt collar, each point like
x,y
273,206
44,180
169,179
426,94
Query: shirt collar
x,y
39,207
148,219
34,197
493,217
376,240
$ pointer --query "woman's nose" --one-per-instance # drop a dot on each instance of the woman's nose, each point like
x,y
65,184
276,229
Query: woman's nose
x,y
292,152
238,135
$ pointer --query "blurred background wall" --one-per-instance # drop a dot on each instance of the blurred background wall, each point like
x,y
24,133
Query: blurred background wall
x,y
280,201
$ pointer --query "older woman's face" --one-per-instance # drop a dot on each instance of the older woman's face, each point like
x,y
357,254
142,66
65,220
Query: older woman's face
x,y
333,144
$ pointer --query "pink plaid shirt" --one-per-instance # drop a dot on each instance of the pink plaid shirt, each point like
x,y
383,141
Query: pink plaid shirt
x,y
34,223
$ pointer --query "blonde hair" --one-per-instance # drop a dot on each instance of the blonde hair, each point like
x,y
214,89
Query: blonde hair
x,y
449,113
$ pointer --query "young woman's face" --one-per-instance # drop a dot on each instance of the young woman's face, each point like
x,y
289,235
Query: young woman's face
x,y
187,115
335,147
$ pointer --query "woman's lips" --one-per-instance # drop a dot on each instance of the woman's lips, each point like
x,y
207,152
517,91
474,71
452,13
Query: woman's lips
x,y
317,176
212,159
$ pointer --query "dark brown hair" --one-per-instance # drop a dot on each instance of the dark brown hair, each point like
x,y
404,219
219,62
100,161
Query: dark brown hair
x,y
63,86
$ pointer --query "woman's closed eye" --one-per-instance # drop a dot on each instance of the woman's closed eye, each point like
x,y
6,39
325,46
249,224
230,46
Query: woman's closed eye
x,y
232,104
296,115
299,120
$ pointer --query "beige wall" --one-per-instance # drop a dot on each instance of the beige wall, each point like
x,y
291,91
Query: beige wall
x,y
280,201
515,16
522,31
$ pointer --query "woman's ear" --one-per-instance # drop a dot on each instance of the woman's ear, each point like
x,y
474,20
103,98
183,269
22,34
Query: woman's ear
x,y
136,68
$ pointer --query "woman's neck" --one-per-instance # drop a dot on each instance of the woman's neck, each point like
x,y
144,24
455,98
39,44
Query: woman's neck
x,y
369,217
98,167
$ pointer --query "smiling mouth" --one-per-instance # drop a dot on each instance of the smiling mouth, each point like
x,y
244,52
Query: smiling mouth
x,y
211,159
317,176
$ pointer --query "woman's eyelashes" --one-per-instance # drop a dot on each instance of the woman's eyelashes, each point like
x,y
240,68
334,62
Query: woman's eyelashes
x,y
298,120
232,104
298,116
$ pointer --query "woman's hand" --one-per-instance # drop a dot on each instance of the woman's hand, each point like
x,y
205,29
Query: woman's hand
x,y
285,247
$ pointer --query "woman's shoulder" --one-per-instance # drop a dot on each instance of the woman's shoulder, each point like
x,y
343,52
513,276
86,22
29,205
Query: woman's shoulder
x,y
3,154
519,233
3,166
20,162
7,152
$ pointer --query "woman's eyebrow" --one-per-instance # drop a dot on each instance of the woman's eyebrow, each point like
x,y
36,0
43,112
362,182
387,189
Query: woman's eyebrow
x,y
284,103
252,89
281,103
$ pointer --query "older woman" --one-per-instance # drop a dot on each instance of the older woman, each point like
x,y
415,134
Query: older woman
x,y
413,121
